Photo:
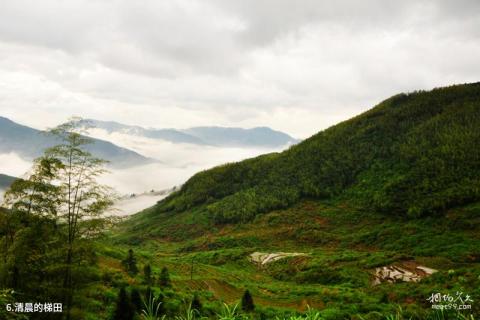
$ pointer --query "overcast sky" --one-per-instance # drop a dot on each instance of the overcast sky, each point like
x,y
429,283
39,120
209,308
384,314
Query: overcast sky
x,y
293,65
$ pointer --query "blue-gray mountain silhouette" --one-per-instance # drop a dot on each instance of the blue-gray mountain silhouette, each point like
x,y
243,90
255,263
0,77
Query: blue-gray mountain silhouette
x,y
30,143
6,181
213,136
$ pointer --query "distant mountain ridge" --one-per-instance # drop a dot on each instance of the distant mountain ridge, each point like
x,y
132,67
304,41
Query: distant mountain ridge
x,y
30,143
226,136
212,136
6,181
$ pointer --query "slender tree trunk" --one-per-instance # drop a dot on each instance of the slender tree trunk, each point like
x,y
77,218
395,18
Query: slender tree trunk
x,y
67,283
68,276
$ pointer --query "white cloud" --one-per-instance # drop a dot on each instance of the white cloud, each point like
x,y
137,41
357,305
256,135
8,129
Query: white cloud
x,y
13,165
179,63
297,66
178,161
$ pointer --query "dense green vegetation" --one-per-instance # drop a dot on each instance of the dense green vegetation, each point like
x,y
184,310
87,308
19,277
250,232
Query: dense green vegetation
x,y
396,185
344,246
414,154
49,224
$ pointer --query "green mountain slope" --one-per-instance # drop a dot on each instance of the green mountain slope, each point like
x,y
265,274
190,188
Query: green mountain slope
x,y
395,187
413,154
6,181
343,246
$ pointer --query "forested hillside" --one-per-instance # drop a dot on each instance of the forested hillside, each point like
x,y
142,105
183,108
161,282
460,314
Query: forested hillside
x,y
346,208
396,186
413,154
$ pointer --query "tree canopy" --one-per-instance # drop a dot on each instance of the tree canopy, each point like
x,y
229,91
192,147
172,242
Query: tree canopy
x,y
414,154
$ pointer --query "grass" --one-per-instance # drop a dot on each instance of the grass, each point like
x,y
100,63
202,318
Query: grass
x,y
343,244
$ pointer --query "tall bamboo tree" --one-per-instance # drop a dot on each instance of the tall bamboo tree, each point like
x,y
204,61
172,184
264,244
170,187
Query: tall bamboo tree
x,y
63,188
82,199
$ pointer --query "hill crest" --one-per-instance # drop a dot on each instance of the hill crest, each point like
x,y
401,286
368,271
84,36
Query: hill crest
x,y
413,154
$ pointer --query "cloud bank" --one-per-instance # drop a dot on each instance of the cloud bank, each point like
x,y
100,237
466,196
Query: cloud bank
x,y
295,66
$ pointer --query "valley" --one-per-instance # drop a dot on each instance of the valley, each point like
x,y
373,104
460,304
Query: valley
x,y
369,219
239,160
366,195
344,247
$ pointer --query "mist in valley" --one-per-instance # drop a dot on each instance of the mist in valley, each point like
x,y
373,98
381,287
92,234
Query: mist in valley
x,y
175,163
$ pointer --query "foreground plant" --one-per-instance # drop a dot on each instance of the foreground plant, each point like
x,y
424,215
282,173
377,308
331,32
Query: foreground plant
x,y
190,314
435,315
230,313
152,309
311,314
445,315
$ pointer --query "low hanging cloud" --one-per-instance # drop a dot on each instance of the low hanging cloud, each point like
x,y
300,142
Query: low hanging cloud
x,y
296,66
177,161
179,63
14,165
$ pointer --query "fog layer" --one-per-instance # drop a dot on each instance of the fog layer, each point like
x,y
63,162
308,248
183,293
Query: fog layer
x,y
176,163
